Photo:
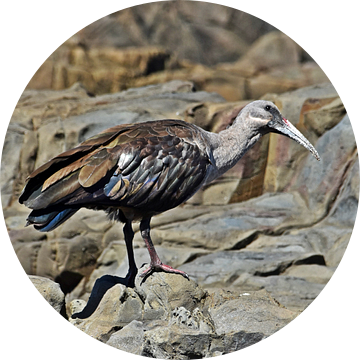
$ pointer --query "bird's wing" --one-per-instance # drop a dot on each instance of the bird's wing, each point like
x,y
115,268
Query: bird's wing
x,y
160,170
62,167
158,164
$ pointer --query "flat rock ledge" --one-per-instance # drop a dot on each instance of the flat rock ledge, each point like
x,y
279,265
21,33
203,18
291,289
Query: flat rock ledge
x,y
170,317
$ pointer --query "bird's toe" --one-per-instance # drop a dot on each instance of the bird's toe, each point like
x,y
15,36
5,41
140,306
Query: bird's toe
x,y
161,268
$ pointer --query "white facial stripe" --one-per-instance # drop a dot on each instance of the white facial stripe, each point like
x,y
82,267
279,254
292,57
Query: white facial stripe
x,y
258,119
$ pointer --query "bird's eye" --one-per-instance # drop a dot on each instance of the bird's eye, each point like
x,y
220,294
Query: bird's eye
x,y
267,107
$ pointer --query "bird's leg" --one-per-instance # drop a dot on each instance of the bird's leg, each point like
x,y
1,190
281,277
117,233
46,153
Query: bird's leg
x,y
129,235
155,262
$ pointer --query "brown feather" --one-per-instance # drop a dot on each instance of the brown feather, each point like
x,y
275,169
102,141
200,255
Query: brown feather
x,y
60,174
91,174
58,191
63,156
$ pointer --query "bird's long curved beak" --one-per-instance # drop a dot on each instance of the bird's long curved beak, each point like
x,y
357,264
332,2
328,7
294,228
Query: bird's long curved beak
x,y
284,127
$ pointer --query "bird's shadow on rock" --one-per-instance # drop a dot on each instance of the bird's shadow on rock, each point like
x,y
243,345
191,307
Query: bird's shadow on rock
x,y
101,286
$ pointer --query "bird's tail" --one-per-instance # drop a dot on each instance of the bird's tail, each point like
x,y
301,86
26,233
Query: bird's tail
x,y
47,220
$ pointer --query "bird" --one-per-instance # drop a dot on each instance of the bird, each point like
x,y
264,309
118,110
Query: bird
x,y
136,171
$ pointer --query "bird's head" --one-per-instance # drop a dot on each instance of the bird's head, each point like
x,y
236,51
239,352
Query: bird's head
x,y
263,117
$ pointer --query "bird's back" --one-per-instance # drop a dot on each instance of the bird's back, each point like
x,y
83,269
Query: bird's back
x,y
150,167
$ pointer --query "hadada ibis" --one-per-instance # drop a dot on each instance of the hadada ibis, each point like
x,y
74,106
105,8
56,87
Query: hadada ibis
x,y
136,171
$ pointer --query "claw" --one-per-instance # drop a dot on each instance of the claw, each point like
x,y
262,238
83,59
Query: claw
x,y
161,267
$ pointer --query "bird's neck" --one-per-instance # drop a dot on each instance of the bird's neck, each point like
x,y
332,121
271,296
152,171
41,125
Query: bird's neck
x,y
229,146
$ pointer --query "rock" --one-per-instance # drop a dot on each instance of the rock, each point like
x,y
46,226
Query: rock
x,y
100,70
76,306
293,292
192,319
162,293
118,307
223,268
154,43
178,28
237,313
233,84
320,187
168,316
130,338
50,291
234,226
268,52
287,78
312,273
68,261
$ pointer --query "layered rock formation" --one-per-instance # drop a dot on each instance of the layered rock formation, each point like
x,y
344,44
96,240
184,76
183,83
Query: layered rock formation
x,y
223,50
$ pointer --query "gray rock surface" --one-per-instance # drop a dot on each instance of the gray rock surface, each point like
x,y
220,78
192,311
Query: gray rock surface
x,y
168,316
171,317
50,291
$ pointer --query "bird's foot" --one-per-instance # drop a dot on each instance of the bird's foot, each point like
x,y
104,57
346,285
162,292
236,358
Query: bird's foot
x,y
161,267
